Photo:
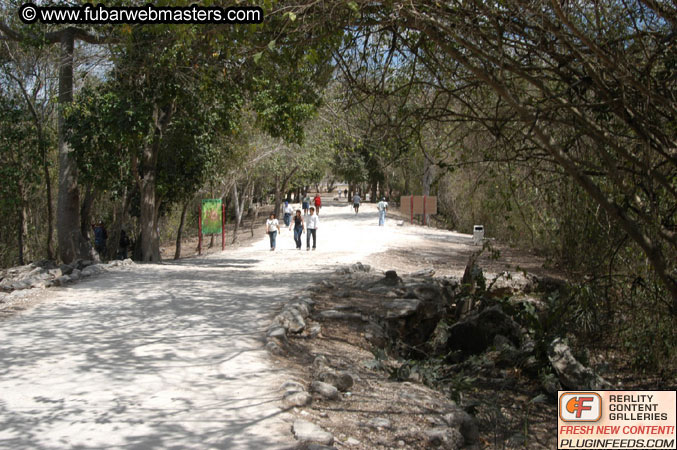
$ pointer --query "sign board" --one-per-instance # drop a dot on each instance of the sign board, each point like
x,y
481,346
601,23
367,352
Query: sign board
x,y
211,216
421,204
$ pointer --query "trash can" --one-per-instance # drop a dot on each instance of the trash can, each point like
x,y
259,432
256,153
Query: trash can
x,y
477,234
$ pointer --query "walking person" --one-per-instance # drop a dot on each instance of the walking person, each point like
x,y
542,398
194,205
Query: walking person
x,y
312,223
288,211
345,193
306,204
318,203
299,228
272,228
382,208
356,202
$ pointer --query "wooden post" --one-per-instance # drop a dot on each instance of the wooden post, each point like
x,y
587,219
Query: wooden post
x,y
199,231
223,226
412,209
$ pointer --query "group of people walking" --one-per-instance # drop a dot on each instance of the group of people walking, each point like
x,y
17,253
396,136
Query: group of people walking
x,y
295,221
309,226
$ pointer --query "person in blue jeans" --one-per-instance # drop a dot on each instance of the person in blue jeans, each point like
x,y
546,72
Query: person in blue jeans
x,y
312,224
272,228
299,228
288,211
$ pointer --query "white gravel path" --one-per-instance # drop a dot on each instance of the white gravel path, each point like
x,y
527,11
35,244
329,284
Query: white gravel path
x,y
170,355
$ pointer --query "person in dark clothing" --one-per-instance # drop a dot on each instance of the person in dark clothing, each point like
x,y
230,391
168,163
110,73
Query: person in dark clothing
x,y
100,237
124,245
299,228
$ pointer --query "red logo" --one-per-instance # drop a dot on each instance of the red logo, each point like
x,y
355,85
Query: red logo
x,y
580,406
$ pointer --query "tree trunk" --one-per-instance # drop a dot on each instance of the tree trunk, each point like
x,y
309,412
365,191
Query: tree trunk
x,y
48,194
72,244
86,211
238,214
427,182
21,211
179,233
278,196
150,239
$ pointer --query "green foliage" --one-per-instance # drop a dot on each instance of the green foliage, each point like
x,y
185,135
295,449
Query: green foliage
x,y
19,172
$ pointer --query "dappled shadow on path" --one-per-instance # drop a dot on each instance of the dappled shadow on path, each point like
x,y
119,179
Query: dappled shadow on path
x,y
160,356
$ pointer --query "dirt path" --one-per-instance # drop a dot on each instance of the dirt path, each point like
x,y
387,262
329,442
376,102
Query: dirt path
x,y
171,355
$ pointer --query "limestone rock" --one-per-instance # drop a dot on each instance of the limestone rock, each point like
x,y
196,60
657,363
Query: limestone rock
x,y
444,437
402,307
378,422
340,315
92,270
572,374
475,333
314,330
464,423
75,275
305,431
326,390
297,399
340,380
423,273
291,320
62,280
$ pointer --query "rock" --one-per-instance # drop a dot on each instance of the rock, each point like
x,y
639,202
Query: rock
x,y
423,273
75,275
325,390
277,332
62,280
291,320
375,335
464,423
302,307
378,422
82,263
571,373
92,270
55,273
447,438
351,442
320,362
391,278
297,399
66,269
275,348
292,386
475,333
305,431
341,380
127,262
314,330
339,315
402,307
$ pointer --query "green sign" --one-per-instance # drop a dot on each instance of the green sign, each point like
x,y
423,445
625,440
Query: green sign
x,y
211,216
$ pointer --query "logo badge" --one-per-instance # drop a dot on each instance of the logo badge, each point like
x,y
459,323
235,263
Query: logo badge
x,y
580,406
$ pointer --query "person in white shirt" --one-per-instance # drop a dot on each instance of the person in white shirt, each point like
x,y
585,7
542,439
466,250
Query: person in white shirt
x,y
382,208
312,224
288,211
272,228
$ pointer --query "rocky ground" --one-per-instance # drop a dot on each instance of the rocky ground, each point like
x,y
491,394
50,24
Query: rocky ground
x,y
390,361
